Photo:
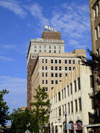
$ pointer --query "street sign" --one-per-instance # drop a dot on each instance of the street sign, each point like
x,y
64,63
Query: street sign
x,y
75,126
68,126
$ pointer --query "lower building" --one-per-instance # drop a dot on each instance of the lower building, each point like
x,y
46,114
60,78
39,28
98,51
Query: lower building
x,y
72,96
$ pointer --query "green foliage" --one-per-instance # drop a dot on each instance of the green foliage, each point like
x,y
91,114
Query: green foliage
x,y
20,120
4,114
41,107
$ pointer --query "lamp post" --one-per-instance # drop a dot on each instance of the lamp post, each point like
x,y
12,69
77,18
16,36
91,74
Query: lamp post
x,y
65,120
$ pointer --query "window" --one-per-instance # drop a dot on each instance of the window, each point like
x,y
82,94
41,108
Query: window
x,y
42,81
56,74
80,104
60,68
71,91
42,74
45,51
78,61
39,50
65,92
49,47
35,46
51,67
59,61
51,88
49,51
46,68
99,30
59,97
54,47
68,90
59,111
40,46
46,81
63,109
35,50
60,75
59,51
72,107
69,61
52,82
65,68
76,108
42,60
51,61
94,14
75,86
46,74
56,82
46,89
55,61
73,61
79,87
42,67
65,61
62,94
52,75
54,51
69,108
65,74
59,47
96,34
73,68
55,67
70,68
45,60
44,46
97,7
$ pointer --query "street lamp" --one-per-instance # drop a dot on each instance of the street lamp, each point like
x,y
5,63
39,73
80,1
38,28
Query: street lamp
x,y
65,120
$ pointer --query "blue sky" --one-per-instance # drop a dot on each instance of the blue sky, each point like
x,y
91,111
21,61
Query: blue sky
x,y
22,20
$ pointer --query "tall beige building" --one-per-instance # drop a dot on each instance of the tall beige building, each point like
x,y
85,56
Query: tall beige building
x,y
95,25
47,63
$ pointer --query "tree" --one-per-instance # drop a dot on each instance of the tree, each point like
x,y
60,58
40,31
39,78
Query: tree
x,y
4,113
41,107
20,120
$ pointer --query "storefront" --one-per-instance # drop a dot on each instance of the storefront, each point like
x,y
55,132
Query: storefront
x,y
78,126
71,130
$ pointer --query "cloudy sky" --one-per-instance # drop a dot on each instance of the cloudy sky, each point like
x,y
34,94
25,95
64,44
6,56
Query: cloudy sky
x,y
22,20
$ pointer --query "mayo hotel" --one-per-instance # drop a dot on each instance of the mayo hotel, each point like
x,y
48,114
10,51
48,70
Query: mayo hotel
x,y
67,82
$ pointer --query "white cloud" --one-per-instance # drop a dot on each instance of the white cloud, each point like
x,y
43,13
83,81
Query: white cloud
x,y
12,47
13,84
13,6
17,91
36,11
77,44
6,58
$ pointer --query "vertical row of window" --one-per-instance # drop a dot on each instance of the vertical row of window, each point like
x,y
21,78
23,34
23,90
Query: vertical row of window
x,y
97,32
96,10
